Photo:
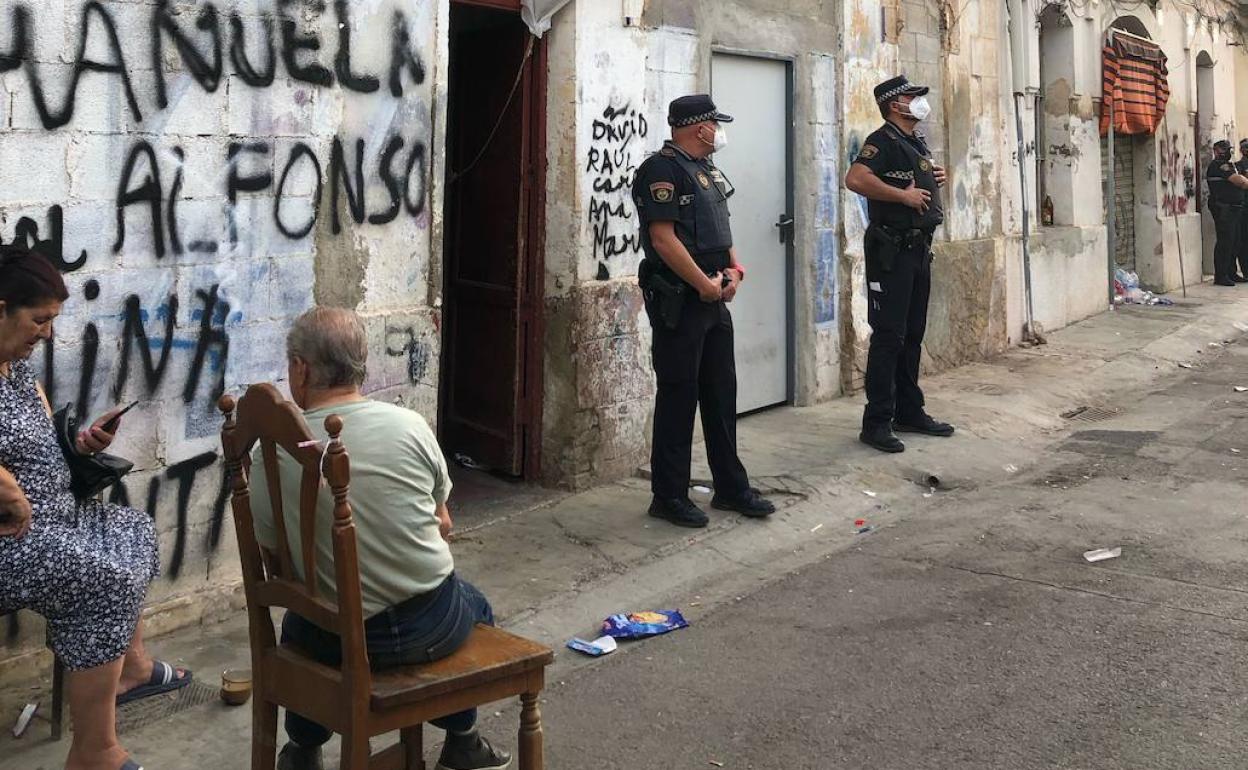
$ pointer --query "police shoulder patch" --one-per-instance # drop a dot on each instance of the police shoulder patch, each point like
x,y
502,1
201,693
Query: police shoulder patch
x,y
662,192
868,152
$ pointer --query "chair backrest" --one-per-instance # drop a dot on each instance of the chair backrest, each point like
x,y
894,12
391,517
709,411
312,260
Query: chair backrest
x,y
263,416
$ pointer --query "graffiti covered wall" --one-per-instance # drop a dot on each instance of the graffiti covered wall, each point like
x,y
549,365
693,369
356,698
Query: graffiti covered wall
x,y
202,172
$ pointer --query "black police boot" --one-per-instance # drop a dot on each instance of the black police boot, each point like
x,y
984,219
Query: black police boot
x,y
296,757
1223,282
881,437
749,503
679,511
923,424
1239,279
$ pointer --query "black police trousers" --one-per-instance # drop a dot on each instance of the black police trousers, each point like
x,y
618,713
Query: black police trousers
x,y
897,312
1226,221
695,365
1241,243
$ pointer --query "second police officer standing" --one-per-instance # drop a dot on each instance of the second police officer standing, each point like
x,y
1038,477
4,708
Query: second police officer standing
x,y
689,273
1241,166
1226,202
895,172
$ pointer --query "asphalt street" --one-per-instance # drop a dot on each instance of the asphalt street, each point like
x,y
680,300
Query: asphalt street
x,y
972,634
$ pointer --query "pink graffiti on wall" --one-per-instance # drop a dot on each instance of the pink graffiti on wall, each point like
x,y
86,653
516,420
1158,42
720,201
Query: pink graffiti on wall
x,y
1178,177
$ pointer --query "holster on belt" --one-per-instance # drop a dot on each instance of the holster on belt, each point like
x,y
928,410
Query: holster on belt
x,y
882,246
667,297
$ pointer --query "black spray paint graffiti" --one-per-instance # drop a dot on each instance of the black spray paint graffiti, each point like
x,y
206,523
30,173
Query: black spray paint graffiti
x,y
26,234
405,343
201,52
402,174
612,161
210,349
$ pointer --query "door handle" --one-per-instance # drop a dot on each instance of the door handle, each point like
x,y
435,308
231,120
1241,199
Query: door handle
x,y
785,224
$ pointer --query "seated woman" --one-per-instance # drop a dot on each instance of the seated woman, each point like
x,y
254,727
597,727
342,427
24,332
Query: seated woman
x,y
83,565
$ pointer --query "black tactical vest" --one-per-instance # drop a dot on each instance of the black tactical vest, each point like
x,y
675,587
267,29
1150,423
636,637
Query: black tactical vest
x,y
704,226
904,217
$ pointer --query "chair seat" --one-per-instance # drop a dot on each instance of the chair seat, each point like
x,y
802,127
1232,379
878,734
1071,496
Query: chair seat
x,y
488,655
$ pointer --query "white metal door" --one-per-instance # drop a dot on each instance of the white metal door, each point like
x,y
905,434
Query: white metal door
x,y
755,92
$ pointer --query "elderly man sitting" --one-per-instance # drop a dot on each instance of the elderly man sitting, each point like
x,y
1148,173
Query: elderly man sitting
x,y
416,609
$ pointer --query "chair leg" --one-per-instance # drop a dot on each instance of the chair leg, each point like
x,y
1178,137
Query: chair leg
x,y
263,734
413,739
355,751
531,753
58,697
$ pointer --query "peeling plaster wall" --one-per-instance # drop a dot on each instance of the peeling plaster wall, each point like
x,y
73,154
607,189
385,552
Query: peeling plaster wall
x,y
191,233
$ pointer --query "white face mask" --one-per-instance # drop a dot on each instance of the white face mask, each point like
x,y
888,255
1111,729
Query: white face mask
x,y
720,140
919,108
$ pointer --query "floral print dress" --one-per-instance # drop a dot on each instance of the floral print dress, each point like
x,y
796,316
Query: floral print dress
x,y
84,565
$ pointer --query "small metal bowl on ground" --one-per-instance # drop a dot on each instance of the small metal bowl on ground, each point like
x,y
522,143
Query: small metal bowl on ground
x,y
236,686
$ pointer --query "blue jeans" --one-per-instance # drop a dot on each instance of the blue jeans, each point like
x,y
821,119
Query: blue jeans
x,y
422,629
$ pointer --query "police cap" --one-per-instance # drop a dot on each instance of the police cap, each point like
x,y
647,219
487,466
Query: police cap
x,y
898,86
694,109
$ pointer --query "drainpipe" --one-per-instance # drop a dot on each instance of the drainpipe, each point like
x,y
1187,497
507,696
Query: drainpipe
x,y
1015,30
1029,329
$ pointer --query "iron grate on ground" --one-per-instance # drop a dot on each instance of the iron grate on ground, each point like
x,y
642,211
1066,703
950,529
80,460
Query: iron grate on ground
x,y
138,714
1092,413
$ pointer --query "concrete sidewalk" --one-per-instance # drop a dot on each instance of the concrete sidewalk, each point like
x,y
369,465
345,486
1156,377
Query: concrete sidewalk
x,y
556,570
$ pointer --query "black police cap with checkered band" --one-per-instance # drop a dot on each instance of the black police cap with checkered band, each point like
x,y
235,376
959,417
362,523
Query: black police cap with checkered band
x,y
898,86
694,109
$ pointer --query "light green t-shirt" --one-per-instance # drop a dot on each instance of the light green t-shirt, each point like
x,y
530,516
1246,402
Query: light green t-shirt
x,y
398,479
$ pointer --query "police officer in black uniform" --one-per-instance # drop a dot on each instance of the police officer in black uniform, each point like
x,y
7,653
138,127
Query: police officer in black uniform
x,y
895,172
1226,202
689,273
1241,167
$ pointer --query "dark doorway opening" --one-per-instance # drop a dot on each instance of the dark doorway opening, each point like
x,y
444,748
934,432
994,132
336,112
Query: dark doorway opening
x,y
491,391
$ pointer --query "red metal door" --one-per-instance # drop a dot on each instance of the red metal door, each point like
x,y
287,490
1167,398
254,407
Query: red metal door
x,y
488,409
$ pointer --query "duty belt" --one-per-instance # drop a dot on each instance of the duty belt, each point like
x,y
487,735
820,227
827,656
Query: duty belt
x,y
910,235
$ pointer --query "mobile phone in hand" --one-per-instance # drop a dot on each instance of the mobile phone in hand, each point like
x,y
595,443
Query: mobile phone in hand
x,y
111,425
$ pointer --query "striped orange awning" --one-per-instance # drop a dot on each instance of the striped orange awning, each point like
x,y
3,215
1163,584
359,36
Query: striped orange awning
x,y
1135,81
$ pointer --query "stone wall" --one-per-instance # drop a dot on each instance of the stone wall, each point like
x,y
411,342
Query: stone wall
x,y
202,173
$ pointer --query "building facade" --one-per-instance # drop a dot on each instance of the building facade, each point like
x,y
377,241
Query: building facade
x,y
204,171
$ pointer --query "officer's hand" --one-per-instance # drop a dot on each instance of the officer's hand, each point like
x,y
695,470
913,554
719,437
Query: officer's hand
x,y
711,289
916,198
734,283
939,173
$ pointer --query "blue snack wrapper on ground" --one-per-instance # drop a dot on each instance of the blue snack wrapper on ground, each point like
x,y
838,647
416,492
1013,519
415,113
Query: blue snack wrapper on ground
x,y
642,624
590,648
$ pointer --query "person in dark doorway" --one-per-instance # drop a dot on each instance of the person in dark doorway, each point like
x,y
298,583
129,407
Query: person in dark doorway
x,y
1241,167
895,172
689,274
1226,203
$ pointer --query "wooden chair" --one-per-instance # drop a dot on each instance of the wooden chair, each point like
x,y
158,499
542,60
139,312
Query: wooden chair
x,y
351,700
57,717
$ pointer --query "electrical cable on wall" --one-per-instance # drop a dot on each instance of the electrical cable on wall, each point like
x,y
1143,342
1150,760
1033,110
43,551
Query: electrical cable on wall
x,y
515,88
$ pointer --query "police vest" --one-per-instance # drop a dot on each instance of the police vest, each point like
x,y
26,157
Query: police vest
x,y
1220,187
923,174
704,226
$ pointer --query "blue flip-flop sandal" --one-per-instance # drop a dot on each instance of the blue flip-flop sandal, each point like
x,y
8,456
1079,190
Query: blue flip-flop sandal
x,y
164,679
130,765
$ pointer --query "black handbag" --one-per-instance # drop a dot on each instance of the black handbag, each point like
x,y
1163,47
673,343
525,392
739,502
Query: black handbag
x,y
89,474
